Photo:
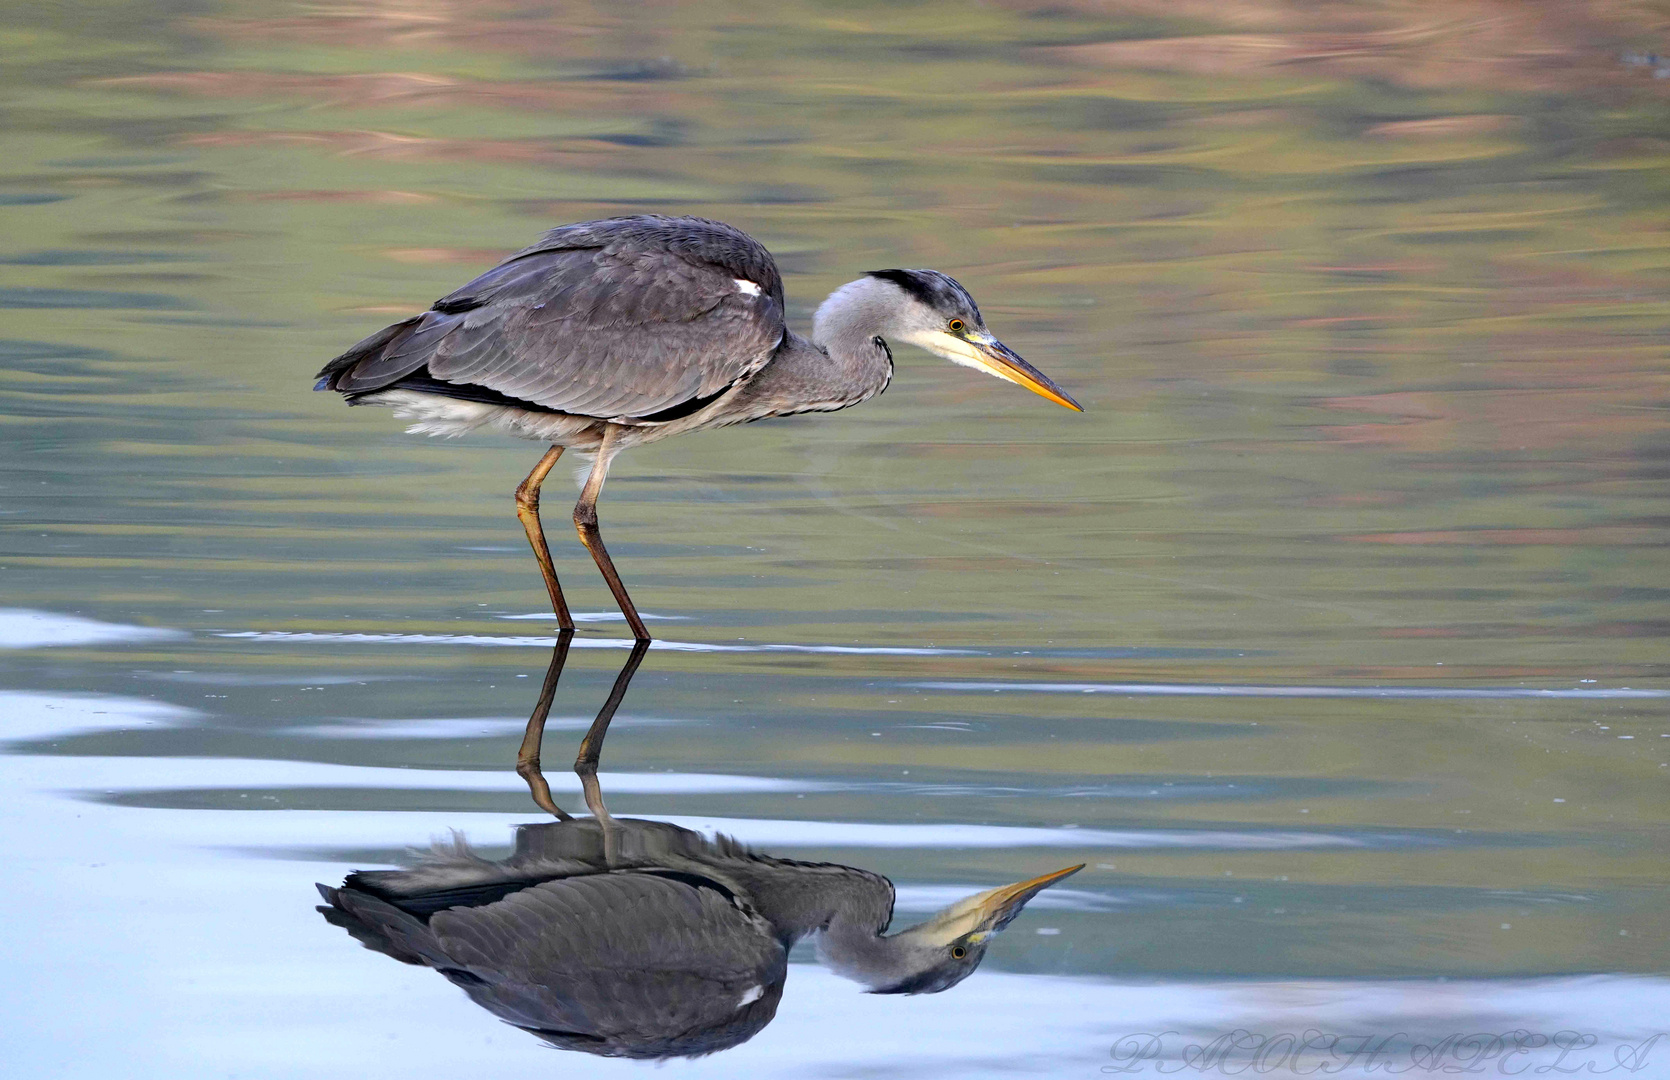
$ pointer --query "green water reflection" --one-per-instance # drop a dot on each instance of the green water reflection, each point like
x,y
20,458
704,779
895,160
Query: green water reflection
x,y
1367,311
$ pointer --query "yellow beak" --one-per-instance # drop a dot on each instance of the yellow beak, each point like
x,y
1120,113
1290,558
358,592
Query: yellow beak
x,y
980,916
998,907
1000,360
979,350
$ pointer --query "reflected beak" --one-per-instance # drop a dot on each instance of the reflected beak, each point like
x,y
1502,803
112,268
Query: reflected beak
x,y
998,907
992,356
980,916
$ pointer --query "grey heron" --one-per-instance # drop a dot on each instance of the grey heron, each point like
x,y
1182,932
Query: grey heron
x,y
605,335
661,943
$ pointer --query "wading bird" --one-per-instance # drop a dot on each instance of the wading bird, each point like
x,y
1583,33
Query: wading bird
x,y
610,334
670,945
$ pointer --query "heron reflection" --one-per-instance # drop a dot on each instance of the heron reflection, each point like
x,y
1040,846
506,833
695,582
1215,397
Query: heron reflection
x,y
632,938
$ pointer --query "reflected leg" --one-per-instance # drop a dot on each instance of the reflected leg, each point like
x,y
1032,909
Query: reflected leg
x,y
591,747
585,523
527,508
527,758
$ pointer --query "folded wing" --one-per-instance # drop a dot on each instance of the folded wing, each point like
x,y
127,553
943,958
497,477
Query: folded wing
x,y
629,319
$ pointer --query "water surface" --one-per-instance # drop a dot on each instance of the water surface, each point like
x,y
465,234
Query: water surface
x,y
1331,636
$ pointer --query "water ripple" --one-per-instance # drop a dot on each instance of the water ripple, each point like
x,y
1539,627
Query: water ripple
x,y
1233,690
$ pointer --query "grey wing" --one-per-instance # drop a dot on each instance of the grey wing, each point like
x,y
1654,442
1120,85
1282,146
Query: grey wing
x,y
452,875
633,964
662,313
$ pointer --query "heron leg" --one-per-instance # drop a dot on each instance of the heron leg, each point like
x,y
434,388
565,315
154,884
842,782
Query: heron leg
x,y
591,749
585,523
527,758
527,508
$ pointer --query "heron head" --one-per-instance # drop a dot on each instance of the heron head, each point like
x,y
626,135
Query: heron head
x,y
932,311
943,951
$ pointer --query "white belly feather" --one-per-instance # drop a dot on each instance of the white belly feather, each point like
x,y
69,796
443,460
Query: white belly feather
x,y
436,414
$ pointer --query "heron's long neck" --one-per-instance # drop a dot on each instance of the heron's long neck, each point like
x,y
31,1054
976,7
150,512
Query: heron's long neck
x,y
847,360
800,897
848,908
860,951
852,327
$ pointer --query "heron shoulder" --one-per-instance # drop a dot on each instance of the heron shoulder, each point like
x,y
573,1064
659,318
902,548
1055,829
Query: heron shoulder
x,y
694,239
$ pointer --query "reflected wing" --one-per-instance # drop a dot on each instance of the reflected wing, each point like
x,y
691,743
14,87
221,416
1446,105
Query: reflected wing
x,y
629,963
625,318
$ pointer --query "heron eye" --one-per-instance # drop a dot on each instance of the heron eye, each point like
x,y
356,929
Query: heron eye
x,y
956,326
958,952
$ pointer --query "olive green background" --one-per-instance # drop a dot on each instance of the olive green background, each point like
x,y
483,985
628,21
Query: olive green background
x,y
1366,304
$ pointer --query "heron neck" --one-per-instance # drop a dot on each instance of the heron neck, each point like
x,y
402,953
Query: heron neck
x,y
799,898
848,909
859,950
861,360
803,377
853,325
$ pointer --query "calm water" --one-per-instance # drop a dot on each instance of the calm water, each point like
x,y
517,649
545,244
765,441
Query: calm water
x,y
1331,636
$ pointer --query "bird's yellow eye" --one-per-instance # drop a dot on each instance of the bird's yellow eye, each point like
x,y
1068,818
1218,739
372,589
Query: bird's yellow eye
x,y
958,952
955,326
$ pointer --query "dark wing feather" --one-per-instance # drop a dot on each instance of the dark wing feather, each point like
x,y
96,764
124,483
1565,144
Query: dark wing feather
x,y
622,318
629,964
